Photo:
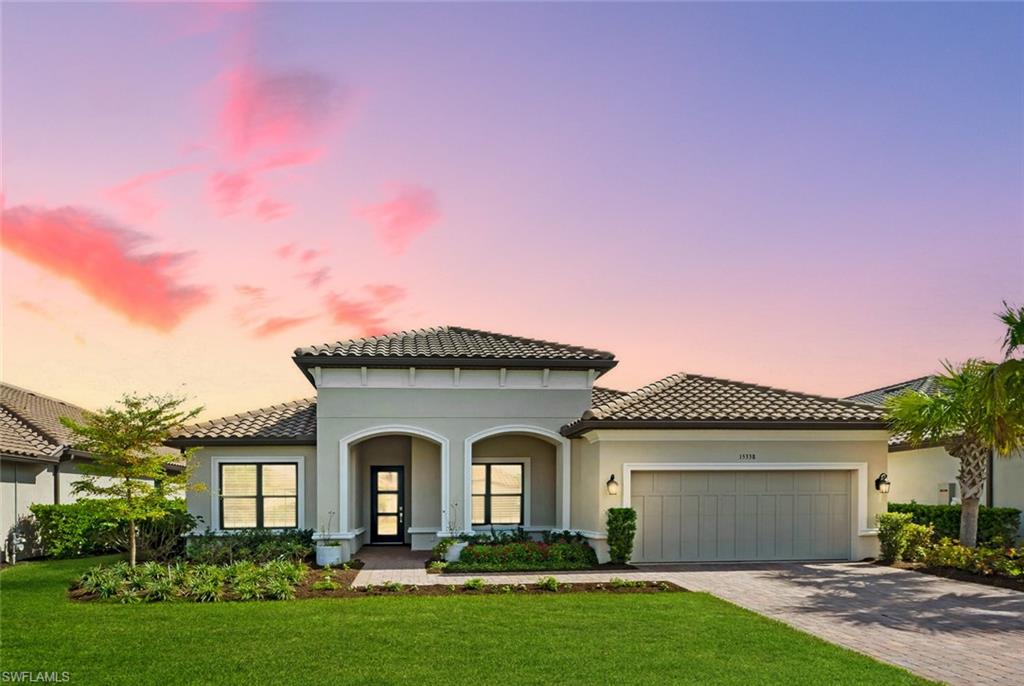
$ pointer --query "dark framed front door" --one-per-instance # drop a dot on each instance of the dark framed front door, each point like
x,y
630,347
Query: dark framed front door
x,y
387,504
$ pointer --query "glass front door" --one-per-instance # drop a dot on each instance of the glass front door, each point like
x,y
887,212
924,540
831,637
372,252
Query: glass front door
x,y
387,498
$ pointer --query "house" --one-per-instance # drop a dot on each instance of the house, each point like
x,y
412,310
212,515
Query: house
x,y
417,435
928,474
37,461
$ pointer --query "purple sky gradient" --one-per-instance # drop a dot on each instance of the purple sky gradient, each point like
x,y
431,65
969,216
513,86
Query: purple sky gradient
x,y
825,197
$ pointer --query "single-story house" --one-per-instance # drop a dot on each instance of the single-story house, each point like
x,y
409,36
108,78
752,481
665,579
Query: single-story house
x,y
927,474
417,435
37,461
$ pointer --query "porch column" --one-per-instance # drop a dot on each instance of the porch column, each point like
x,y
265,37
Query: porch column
x,y
563,482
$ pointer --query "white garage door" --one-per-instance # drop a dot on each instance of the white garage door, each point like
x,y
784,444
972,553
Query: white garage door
x,y
739,515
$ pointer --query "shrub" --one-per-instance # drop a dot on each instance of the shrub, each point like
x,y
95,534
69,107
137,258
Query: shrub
x,y
499,536
919,540
892,535
92,526
996,525
565,536
476,584
255,545
152,582
442,547
392,586
621,530
984,561
525,556
548,583
617,582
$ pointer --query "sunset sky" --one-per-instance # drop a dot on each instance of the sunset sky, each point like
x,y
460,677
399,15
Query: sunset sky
x,y
821,197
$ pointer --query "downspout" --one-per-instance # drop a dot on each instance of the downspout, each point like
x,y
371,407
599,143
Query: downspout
x,y
990,489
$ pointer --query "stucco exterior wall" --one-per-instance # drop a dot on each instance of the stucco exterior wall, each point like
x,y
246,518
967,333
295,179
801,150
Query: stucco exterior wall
x,y
1008,483
586,486
200,503
384,451
456,414
616,448
916,475
542,472
22,484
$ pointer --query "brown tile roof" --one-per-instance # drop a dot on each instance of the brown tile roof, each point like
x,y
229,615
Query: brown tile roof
x,y
455,343
877,396
601,395
287,423
31,425
695,401
924,384
20,439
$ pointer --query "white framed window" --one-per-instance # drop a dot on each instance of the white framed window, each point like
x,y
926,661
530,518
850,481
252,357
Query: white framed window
x,y
500,492
257,493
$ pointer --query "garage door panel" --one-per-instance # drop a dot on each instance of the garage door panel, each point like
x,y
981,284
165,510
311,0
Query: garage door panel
x,y
738,515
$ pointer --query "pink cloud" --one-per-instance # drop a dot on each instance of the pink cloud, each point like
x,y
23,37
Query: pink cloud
x,y
275,325
229,190
285,251
271,110
104,261
269,210
365,315
135,196
317,278
255,292
309,255
409,212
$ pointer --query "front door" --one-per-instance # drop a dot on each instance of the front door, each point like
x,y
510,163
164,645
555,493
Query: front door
x,y
387,498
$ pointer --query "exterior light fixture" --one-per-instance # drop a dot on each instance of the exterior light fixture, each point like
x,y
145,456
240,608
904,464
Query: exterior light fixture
x,y
613,485
882,484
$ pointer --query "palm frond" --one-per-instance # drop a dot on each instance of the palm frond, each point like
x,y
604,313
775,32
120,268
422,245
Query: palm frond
x,y
1014,320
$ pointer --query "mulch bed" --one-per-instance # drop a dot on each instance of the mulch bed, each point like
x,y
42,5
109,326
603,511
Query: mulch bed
x,y
961,575
489,589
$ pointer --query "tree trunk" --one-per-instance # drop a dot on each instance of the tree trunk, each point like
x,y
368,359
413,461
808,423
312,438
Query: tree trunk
x,y
969,522
973,455
131,542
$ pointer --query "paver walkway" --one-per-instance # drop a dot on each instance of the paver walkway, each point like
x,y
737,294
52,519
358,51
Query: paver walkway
x,y
949,631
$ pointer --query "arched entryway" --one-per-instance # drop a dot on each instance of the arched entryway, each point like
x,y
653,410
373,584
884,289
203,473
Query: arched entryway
x,y
506,463
393,485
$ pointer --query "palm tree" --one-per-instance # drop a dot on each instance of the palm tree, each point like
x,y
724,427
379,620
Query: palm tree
x,y
978,409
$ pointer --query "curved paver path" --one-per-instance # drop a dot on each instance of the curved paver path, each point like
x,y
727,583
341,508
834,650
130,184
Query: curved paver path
x,y
941,629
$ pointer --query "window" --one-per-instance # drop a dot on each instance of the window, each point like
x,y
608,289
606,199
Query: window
x,y
498,494
259,496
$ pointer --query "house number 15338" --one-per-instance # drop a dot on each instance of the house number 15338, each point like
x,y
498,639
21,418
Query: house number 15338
x,y
747,457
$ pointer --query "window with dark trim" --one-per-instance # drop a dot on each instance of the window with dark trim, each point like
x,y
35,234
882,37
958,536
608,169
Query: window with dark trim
x,y
263,495
498,493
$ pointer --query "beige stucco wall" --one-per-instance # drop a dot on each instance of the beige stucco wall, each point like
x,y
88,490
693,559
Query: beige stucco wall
x,y
200,503
615,448
1008,483
22,484
542,482
455,414
586,485
425,485
916,475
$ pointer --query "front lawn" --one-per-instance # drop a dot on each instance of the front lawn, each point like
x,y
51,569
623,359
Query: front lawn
x,y
578,638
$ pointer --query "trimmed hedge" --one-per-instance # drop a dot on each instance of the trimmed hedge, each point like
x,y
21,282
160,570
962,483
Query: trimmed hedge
x,y
256,545
996,525
525,556
91,526
621,531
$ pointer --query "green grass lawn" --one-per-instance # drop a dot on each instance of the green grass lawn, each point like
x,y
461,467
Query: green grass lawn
x,y
576,638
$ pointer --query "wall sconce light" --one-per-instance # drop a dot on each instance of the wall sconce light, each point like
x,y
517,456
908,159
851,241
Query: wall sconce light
x,y
613,485
882,484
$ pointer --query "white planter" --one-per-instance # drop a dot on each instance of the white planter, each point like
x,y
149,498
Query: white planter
x,y
329,555
453,553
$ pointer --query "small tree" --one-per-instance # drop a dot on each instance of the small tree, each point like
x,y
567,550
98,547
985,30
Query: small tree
x,y
129,467
621,530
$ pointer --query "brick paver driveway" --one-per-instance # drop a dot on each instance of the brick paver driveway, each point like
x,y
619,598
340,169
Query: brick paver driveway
x,y
949,631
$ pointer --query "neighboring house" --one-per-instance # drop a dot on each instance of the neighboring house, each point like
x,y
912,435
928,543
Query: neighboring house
x,y
37,462
417,435
928,474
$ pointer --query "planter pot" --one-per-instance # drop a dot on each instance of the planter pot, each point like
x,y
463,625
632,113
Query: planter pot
x,y
453,553
329,555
